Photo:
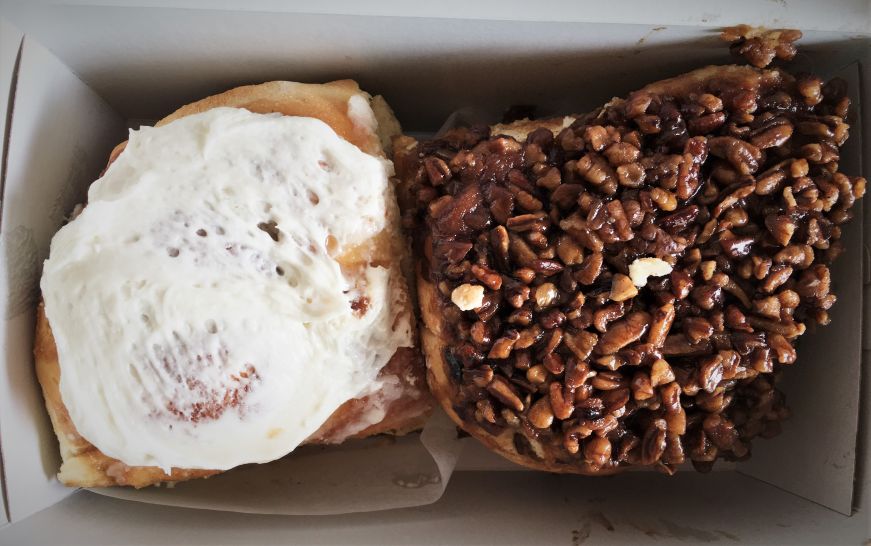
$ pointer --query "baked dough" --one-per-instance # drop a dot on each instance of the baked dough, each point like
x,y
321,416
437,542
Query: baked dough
x,y
85,466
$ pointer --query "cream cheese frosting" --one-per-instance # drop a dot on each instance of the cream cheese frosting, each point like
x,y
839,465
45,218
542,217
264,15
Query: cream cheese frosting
x,y
200,315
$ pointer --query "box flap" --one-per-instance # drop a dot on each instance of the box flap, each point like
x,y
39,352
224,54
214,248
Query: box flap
x,y
820,436
851,15
722,509
180,55
61,134
10,47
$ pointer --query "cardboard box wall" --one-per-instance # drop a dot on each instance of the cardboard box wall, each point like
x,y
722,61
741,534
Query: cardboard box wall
x,y
10,46
146,61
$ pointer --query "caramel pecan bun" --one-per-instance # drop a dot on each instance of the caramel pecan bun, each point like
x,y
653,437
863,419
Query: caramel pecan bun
x,y
624,290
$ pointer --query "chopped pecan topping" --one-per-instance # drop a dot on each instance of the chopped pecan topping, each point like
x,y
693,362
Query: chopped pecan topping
x,y
624,291
760,46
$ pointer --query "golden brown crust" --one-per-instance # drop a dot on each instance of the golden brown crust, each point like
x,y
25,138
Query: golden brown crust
x,y
717,78
85,466
403,415
522,127
327,102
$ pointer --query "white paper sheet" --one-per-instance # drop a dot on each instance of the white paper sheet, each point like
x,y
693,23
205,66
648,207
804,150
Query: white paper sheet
x,y
378,473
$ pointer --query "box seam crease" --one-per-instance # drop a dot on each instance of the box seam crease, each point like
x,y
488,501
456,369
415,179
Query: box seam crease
x,y
5,156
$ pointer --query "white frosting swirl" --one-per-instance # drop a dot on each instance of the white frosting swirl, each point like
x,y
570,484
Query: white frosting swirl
x,y
200,318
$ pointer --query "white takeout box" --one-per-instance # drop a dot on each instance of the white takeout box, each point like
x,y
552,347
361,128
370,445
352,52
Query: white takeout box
x,y
75,75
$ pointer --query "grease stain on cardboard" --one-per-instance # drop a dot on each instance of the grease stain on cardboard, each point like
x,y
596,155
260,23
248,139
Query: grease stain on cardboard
x,y
670,530
580,535
22,260
599,517
72,191
685,532
416,481
651,533
644,38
